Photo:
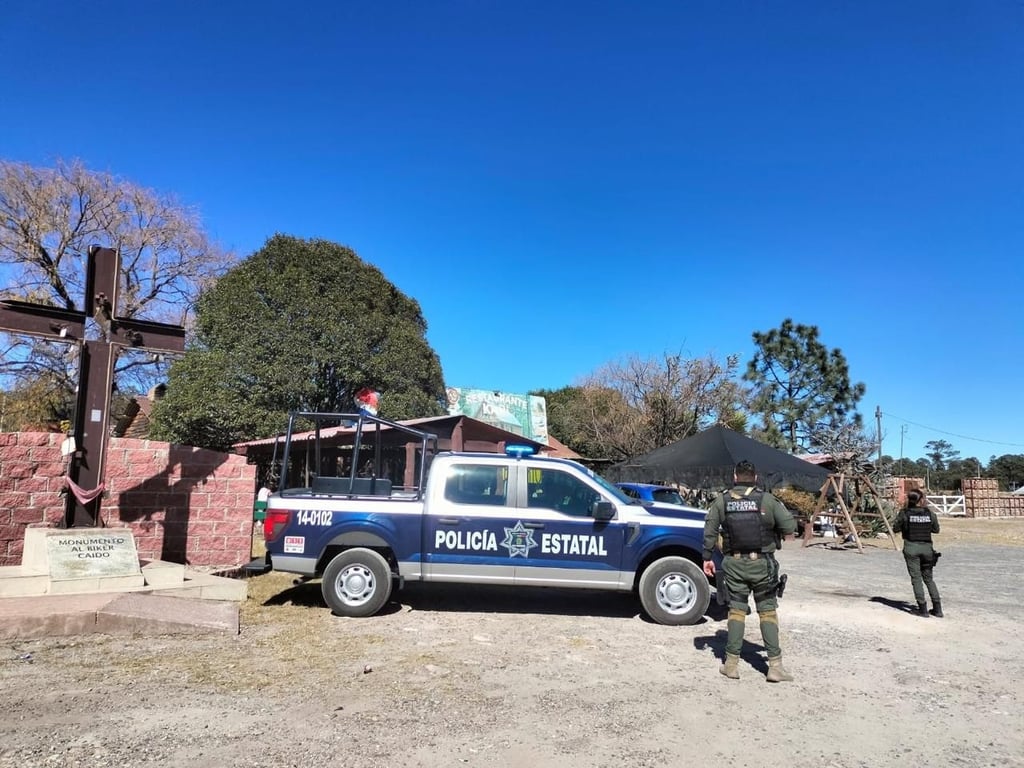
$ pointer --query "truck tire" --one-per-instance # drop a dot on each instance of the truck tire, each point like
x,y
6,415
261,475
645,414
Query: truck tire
x,y
357,582
674,591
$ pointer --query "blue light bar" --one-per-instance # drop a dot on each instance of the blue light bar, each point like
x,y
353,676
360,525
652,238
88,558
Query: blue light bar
x,y
519,451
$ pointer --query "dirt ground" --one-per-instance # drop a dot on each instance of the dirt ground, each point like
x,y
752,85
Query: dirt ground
x,y
495,677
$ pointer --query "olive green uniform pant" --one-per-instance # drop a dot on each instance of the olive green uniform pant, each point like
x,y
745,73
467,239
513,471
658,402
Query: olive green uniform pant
x,y
920,559
744,576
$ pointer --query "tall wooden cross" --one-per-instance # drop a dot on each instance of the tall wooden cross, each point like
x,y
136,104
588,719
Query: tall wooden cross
x,y
96,367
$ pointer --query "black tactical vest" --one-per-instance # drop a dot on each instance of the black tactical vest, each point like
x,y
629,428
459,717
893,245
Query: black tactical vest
x,y
918,525
744,527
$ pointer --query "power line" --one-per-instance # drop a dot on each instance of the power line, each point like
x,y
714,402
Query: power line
x,y
952,434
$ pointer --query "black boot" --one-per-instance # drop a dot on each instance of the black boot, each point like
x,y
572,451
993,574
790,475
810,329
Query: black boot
x,y
922,610
937,608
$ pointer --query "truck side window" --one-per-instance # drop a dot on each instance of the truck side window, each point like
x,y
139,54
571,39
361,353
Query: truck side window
x,y
560,491
477,484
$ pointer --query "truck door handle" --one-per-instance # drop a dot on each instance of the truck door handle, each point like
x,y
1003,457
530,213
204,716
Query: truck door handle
x,y
448,520
533,525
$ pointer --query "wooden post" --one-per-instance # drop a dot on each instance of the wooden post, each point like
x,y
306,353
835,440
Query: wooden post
x,y
838,483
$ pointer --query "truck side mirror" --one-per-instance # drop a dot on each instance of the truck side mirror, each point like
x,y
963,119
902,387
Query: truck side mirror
x,y
603,510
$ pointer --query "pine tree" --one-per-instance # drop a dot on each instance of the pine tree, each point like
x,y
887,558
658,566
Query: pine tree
x,y
799,385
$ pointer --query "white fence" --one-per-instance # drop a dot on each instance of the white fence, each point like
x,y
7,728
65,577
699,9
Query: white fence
x,y
949,505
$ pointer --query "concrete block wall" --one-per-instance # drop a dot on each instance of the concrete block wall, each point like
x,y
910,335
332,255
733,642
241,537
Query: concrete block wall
x,y
185,505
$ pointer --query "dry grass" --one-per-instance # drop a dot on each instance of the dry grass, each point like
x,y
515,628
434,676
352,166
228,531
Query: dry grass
x,y
1008,531
288,632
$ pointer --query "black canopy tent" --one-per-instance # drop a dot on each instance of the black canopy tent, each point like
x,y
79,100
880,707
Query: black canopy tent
x,y
707,460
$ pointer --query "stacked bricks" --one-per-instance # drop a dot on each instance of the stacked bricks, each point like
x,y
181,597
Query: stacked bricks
x,y
983,499
902,486
981,496
1012,504
184,505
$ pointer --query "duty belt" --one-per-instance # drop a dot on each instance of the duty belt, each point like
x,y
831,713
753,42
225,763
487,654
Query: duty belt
x,y
751,555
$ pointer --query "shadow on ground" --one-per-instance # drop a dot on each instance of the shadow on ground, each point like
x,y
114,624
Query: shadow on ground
x,y
899,605
479,598
750,654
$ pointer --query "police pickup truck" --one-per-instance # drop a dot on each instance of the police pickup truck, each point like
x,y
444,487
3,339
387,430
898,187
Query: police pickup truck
x,y
410,513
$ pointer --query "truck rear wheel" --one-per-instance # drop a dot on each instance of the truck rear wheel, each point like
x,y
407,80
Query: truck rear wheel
x,y
674,591
357,582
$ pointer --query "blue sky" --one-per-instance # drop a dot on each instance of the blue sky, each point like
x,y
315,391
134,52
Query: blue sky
x,y
563,184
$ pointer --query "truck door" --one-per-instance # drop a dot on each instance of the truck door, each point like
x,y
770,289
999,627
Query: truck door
x,y
561,544
464,533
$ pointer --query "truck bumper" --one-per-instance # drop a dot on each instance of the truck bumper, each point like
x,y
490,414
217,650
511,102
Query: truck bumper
x,y
257,566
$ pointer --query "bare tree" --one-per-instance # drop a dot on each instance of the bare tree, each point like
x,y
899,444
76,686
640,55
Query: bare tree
x,y
48,219
851,449
848,445
606,422
633,406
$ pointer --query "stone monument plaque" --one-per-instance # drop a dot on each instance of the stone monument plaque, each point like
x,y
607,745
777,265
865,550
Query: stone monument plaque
x,y
89,553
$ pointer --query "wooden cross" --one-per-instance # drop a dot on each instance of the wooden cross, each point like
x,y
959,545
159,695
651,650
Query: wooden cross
x,y
96,367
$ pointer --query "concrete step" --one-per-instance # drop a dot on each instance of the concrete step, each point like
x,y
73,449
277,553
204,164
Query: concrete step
x,y
114,614
156,576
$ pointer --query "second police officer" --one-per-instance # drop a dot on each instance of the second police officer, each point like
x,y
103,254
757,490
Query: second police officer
x,y
750,522
917,522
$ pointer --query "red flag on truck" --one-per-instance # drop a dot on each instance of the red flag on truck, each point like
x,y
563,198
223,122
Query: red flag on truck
x,y
366,401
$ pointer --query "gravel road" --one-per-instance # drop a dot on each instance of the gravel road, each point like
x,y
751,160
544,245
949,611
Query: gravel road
x,y
494,677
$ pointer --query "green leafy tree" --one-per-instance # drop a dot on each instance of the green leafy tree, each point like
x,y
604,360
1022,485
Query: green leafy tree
x,y
40,404
564,413
906,467
1008,469
949,478
940,453
299,325
799,384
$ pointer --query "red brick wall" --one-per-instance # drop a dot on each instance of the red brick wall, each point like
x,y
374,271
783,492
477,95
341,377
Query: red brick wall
x,y
185,505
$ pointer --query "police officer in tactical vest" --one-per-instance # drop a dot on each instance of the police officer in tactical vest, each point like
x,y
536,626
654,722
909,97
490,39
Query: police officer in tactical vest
x,y
917,523
751,522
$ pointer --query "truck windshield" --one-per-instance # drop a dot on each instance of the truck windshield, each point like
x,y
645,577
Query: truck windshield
x,y
668,496
612,490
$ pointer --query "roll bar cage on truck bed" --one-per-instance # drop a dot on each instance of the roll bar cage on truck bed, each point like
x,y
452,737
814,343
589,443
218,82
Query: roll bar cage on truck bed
x,y
327,469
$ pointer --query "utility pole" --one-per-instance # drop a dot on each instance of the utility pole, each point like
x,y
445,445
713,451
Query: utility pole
x,y
878,420
903,431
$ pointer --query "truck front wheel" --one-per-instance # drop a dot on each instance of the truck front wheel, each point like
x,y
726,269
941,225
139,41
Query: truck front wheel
x,y
674,591
357,582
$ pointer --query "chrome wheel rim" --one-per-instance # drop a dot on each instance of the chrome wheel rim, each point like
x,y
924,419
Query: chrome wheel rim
x,y
676,593
355,585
